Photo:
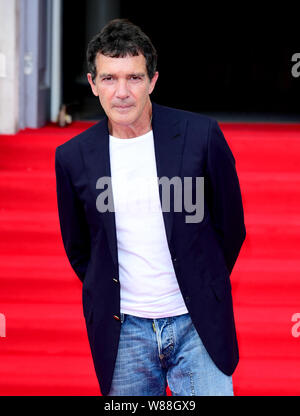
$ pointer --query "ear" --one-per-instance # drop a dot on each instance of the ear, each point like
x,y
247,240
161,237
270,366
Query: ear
x,y
153,82
93,86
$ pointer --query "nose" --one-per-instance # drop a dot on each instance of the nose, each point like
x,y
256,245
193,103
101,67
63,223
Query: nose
x,y
122,90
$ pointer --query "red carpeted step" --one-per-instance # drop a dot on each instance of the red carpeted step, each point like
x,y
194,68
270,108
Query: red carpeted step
x,y
46,352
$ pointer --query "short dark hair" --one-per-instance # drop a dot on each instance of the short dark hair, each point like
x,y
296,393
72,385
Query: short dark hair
x,y
120,38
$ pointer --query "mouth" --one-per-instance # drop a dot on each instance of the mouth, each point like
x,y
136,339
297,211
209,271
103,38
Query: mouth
x,y
122,108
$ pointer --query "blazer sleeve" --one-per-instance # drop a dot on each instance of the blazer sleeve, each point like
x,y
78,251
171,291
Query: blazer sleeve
x,y
73,225
224,195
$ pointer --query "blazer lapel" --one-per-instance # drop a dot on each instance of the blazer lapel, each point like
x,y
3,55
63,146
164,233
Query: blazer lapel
x,y
95,152
168,145
169,135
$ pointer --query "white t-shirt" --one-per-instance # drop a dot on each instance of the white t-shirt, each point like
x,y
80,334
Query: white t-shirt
x,y
149,286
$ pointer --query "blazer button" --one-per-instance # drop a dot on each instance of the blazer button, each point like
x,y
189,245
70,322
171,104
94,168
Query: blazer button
x,y
187,298
175,260
117,318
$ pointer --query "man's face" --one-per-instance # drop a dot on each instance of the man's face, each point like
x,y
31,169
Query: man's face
x,y
123,87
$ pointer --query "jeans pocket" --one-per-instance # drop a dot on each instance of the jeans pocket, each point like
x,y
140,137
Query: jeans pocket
x,y
122,317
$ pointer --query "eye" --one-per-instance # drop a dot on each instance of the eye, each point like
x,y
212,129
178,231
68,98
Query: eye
x,y
135,77
107,79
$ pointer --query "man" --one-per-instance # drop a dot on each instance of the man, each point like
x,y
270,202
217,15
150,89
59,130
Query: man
x,y
156,289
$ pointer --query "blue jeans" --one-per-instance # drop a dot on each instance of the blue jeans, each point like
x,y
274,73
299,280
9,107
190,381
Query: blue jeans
x,y
155,352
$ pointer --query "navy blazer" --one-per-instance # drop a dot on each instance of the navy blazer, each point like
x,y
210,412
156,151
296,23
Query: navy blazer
x,y
186,145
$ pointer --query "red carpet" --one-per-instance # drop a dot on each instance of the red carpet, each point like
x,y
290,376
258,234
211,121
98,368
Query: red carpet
x,y
45,350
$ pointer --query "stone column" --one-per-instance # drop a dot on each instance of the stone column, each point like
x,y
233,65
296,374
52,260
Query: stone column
x,y
9,66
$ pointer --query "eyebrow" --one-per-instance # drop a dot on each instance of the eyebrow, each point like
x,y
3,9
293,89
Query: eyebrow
x,y
136,74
